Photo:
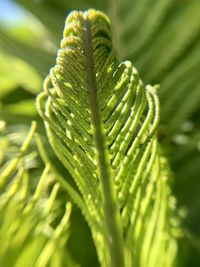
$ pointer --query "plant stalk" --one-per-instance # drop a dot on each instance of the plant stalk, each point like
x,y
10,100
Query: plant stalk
x,y
112,216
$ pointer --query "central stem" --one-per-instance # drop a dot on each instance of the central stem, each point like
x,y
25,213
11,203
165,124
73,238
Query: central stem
x,y
112,216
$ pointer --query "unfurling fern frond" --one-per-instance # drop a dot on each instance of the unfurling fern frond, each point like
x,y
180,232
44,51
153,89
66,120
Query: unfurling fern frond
x,y
32,231
102,122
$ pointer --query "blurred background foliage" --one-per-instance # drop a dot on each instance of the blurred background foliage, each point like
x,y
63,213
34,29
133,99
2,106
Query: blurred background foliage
x,y
162,38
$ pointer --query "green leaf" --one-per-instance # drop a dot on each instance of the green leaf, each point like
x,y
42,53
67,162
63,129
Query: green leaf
x,y
165,49
102,123
142,32
33,227
162,40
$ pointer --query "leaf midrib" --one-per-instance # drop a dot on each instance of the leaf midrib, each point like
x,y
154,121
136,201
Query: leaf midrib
x,y
112,217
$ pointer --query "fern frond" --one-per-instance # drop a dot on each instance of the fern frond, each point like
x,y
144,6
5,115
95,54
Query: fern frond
x,y
143,31
30,230
151,34
102,121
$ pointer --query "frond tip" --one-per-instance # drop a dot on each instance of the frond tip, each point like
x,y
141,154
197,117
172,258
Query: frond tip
x,y
102,123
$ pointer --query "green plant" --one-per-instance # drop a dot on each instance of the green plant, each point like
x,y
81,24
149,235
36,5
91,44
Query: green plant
x,y
102,124
29,226
106,134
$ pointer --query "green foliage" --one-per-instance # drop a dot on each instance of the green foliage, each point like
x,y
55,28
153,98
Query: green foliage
x,y
102,123
31,229
161,38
